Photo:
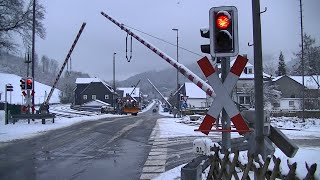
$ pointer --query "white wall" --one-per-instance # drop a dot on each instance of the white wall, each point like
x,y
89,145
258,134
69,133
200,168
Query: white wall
x,y
196,102
284,104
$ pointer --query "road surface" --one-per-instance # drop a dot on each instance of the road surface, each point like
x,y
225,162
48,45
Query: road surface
x,y
112,148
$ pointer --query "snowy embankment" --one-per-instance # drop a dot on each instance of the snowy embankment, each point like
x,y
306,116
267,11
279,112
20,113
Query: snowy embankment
x,y
294,128
22,129
41,90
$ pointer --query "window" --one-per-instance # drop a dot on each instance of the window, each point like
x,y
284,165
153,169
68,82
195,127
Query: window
x,y
291,103
94,97
85,97
106,96
250,71
244,99
276,104
241,99
247,99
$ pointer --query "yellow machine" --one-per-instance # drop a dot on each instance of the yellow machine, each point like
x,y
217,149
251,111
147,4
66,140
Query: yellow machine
x,y
130,106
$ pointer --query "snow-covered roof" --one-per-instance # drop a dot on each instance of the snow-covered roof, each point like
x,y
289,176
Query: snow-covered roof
x,y
96,102
87,80
276,78
136,92
250,76
311,82
244,75
193,91
90,80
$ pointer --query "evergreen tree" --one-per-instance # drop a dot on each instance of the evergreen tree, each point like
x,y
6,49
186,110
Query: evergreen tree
x,y
281,66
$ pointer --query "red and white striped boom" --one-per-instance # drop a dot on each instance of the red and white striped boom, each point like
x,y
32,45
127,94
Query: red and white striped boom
x,y
180,67
64,64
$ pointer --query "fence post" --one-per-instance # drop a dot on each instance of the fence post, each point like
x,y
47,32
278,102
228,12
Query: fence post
x,y
193,170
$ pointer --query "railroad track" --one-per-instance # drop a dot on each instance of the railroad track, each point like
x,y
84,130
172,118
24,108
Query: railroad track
x,y
65,111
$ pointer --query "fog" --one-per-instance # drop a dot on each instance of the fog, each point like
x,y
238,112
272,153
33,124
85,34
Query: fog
x,y
101,38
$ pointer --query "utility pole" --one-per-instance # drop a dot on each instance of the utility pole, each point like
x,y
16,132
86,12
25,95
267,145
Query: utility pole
x,y
302,60
33,43
258,80
5,106
225,120
178,95
114,81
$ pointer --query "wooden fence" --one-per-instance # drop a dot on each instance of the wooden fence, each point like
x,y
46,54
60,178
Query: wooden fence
x,y
230,167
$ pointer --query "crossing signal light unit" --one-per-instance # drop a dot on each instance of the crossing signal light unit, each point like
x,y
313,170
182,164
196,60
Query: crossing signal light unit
x,y
23,84
205,48
223,29
29,84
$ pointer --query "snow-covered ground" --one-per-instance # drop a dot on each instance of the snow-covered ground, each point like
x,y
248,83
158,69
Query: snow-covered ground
x,y
16,95
22,129
305,154
294,128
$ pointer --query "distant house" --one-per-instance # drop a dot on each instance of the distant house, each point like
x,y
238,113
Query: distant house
x,y
89,89
243,92
291,88
136,95
175,96
197,98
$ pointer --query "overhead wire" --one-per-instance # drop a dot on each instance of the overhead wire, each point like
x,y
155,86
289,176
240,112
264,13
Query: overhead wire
x,y
160,39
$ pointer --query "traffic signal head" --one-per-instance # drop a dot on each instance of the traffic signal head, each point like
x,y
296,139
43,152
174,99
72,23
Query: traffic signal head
x,y
29,83
23,84
223,27
205,48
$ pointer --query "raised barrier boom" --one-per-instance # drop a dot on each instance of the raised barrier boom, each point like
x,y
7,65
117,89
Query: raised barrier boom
x,y
180,67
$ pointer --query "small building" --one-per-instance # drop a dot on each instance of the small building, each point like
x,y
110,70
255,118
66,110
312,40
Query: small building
x,y
291,88
243,92
197,98
88,89
136,95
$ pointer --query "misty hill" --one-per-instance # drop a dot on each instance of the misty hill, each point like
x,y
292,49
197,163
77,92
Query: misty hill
x,y
46,70
41,90
165,80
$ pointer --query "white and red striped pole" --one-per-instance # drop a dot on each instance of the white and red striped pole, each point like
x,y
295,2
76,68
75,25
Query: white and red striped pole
x,y
182,69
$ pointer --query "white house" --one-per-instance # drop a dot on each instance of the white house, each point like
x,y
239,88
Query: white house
x,y
244,90
291,88
135,92
197,98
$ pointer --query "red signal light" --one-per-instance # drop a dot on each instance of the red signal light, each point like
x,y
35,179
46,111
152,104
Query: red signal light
x,y
223,21
29,81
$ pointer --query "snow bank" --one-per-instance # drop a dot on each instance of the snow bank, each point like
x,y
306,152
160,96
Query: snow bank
x,y
22,129
16,96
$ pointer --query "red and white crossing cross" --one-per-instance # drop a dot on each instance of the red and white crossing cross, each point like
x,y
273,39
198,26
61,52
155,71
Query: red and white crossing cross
x,y
223,99
28,99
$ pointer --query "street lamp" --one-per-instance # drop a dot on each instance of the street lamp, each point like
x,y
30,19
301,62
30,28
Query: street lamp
x,y
178,96
114,80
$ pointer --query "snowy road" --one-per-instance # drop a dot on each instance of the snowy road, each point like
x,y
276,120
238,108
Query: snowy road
x,y
111,148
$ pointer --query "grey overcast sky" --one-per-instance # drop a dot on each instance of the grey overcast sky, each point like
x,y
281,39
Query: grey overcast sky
x,y
101,38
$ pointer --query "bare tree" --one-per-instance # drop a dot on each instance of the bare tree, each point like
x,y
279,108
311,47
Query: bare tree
x,y
311,57
16,18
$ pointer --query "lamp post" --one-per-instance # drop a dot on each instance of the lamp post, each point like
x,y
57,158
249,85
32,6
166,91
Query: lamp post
x,y
114,81
178,95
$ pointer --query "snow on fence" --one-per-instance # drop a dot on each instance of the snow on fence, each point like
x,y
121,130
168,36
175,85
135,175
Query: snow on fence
x,y
238,166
